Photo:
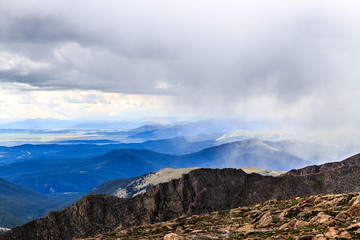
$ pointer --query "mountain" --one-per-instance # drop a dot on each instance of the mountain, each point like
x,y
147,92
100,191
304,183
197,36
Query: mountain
x,y
353,160
198,192
19,204
336,218
315,152
251,152
83,174
176,146
52,151
48,130
193,128
93,148
238,135
49,123
129,187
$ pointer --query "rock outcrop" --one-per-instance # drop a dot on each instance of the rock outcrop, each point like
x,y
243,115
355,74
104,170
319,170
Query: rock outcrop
x,y
201,191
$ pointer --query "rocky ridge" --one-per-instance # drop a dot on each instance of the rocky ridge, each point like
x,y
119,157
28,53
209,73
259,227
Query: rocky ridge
x,y
199,192
130,187
316,217
353,160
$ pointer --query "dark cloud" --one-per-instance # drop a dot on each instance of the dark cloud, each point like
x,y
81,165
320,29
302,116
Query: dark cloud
x,y
34,29
290,61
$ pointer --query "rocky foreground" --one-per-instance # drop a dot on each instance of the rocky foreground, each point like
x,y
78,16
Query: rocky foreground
x,y
315,217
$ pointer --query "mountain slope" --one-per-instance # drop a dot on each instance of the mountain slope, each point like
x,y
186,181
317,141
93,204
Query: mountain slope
x,y
19,204
83,174
251,152
200,191
327,166
77,149
129,187
159,131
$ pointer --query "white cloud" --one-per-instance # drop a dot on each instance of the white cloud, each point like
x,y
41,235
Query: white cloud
x,y
21,101
18,63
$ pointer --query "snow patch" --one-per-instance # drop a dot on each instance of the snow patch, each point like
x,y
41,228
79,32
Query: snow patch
x,y
4,229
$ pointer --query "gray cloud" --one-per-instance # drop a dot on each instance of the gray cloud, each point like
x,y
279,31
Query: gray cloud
x,y
297,62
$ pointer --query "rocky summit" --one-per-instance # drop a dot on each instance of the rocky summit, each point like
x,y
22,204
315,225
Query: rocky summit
x,y
318,217
199,192
353,160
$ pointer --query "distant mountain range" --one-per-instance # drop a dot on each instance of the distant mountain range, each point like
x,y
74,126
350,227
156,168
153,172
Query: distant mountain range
x,y
311,152
56,124
83,174
50,130
93,148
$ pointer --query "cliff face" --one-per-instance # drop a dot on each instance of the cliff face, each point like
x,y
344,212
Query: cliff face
x,y
332,216
324,167
200,191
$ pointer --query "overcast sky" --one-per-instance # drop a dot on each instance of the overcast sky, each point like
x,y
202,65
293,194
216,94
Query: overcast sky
x,y
292,62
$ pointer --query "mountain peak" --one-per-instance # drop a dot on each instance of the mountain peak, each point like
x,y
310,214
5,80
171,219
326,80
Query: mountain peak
x,y
254,142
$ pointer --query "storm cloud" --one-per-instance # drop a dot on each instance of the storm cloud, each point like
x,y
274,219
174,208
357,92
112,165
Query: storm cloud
x,y
296,62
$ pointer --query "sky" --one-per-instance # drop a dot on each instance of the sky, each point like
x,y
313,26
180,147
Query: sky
x,y
296,63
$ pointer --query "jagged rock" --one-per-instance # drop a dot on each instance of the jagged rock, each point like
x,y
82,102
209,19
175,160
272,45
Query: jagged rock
x,y
293,211
354,227
300,224
288,225
246,228
321,218
265,220
354,210
355,200
173,236
307,213
342,216
345,235
332,233
320,237
253,214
